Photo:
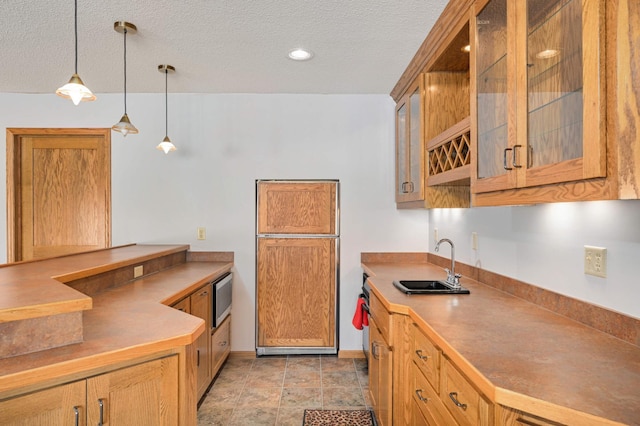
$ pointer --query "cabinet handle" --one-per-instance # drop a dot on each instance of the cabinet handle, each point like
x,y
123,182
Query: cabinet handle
x,y
407,187
454,398
197,357
101,404
504,159
422,357
204,293
76,414
514,160
223,343
374,345
420,397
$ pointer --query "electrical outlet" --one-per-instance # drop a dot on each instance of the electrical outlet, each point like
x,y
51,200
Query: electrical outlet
x,y
595,261
138,271
435,234
202,233
474,240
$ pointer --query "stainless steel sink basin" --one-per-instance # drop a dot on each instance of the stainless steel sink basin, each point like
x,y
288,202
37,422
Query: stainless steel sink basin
x,y
427,287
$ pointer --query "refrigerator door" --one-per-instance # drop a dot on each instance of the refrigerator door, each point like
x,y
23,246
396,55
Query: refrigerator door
x,y
296,295
297,208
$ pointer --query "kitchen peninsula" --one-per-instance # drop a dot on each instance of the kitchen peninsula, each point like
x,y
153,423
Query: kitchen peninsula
x,y
491,358
127,346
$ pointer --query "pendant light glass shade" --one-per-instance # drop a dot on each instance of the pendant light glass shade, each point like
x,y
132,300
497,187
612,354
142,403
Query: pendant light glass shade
x,y
75,88
166,144
124,126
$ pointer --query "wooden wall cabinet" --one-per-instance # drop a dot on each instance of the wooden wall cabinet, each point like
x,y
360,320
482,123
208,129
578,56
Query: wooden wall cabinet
x,y
538,98
432,120
144,394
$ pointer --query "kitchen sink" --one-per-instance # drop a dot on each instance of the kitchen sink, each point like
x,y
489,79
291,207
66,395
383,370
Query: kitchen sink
x,y
427,287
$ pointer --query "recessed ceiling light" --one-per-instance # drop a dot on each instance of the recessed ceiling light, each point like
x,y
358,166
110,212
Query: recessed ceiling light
x,y
300,54
547,53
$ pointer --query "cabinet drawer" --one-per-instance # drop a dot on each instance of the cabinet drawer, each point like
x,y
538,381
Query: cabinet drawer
x,y
463,401
427,401
427,357
220,345
381,316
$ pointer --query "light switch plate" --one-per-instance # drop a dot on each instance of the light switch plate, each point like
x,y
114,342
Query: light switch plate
x,y
202,233
595,261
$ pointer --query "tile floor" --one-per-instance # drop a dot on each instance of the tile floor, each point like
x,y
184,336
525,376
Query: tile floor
x,y
276,390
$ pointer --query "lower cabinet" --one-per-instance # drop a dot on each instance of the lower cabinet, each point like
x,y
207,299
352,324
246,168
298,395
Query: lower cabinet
x,y
220,345
212,346
201,305
144,394
380,376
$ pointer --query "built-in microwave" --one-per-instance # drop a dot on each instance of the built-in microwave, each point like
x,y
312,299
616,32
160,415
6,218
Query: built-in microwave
x,y
221,299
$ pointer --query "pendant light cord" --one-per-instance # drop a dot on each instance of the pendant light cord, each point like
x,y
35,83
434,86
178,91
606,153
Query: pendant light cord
x,y
125,70
166,101
75,20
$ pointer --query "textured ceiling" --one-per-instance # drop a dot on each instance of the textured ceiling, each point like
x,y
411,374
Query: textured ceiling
x,y
217,46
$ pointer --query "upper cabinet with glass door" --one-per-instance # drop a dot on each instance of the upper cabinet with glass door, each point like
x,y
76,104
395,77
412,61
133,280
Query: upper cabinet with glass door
x,y
409,144
538,108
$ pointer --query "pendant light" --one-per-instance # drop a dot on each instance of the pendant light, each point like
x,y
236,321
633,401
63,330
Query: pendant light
x,y
75,88
166,144
124,126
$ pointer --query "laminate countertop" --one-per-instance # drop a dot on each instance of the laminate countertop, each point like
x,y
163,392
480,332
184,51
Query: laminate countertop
x,y
128,321
518,353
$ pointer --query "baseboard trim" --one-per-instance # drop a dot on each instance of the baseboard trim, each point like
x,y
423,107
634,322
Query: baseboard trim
x,y
351,354
242,354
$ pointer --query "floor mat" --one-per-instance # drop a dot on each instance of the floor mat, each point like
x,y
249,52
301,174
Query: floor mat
x,y
338,418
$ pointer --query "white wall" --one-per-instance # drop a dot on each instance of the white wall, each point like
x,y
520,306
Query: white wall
x,y
544,245
224,143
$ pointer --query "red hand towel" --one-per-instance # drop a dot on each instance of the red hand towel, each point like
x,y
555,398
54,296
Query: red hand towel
x,y
360,317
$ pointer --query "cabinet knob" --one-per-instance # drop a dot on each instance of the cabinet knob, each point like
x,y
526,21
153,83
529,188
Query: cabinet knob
x,y
454,398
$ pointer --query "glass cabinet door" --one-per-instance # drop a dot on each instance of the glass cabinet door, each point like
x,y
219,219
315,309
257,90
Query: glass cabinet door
x,y
401,150
410,145
492,96
558,74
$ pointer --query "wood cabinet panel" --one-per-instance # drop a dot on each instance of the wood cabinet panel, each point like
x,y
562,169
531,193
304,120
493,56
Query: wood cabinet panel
x,y
380,376
380,315
296,283
297,207
201,305
464,402
145,394
53,406
426,357
426,400
220,345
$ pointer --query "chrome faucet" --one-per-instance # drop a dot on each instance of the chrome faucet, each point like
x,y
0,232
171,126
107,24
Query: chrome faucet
x,y
453,279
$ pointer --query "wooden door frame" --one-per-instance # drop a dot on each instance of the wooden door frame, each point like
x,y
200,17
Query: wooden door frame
x,y
14,197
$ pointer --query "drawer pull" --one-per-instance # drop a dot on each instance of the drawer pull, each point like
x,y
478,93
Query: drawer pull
x,y
76,413
454,398
223,343
422,357
101,419
420,397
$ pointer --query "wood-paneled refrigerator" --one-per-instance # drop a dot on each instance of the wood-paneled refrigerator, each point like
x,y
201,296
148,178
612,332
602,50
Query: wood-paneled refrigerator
x,y
297,262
